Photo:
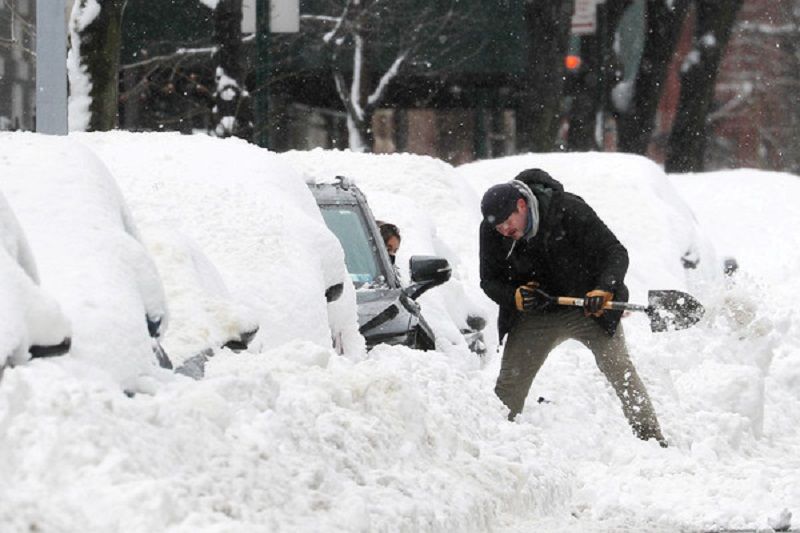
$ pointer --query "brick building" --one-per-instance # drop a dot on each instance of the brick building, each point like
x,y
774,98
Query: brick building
x,y
755,121
758,119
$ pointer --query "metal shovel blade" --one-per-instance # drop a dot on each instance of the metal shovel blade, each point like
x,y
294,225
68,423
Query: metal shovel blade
x,y
671,310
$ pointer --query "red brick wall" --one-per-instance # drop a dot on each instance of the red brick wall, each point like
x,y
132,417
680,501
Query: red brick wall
x,y
754,124
755,69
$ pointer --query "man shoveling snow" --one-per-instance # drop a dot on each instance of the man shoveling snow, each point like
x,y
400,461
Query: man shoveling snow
x,y
537,240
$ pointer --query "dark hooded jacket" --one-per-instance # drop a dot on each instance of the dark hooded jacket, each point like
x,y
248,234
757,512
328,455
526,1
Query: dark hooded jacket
x,y
571,253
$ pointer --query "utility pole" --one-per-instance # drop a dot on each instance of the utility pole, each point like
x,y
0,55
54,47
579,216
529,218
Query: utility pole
x,y
51,67
272,16
602,74
261,94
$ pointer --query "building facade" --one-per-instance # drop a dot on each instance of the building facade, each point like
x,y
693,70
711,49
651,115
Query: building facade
x,y
17,64
755,117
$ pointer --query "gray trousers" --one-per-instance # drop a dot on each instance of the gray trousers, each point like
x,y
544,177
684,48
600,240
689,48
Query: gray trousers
x,y
533,338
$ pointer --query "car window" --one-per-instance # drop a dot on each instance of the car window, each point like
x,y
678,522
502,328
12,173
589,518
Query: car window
x,y
349,227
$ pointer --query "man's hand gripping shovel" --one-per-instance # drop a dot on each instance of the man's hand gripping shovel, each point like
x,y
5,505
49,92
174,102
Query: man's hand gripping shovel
x,y
667,309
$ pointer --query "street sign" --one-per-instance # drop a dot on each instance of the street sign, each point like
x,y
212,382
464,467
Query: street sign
x,y
584,20
284,16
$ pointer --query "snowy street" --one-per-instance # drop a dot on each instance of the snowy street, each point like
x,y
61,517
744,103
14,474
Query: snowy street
x,y
288,435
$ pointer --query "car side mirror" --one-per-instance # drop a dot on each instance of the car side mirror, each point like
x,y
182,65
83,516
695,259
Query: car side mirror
x,y
333,292
475,322
427,272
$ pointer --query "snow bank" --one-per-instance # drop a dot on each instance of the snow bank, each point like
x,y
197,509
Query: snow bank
x,y
741,211
751,216
294,439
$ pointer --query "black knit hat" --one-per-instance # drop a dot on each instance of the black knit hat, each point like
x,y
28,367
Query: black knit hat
x,y
499,202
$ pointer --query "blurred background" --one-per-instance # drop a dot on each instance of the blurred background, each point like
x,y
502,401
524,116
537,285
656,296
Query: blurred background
x,y
693,84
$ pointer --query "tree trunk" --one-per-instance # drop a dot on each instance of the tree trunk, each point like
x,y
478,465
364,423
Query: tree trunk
x,y
585,103
100,43
790,152
360,93
232,105
662,28
355,96
598,73
687,140
359,132
539,112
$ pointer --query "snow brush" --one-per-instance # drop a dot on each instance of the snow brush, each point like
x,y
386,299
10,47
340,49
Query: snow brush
x,y
668,310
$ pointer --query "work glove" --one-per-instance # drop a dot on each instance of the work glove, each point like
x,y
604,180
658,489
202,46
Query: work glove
x,y
530,297
594,301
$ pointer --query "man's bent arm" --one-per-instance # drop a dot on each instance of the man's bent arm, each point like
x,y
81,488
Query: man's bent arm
x,y
494,279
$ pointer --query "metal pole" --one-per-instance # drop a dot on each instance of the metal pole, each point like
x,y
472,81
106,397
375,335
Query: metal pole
x,y
51,67
261,95
602,75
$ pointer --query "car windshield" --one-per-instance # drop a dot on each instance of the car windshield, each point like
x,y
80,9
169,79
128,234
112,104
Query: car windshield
x,y
349,227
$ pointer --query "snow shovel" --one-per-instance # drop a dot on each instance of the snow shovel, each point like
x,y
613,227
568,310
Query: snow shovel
x,y
668,310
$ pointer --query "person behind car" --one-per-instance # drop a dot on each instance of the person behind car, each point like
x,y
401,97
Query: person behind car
x,y
537,240
391,238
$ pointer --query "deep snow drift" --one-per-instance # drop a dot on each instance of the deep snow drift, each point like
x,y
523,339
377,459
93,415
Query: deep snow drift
x,y
297,438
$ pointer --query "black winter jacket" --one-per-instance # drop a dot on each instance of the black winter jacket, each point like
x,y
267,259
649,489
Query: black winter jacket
x,y
572,253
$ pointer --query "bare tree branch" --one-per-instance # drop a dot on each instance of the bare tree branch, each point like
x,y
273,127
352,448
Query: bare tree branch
x,y
376,96
371,32
333,35
177,55
737,102
341,89
768,29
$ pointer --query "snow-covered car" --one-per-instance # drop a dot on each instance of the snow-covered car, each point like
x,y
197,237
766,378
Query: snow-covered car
x,y
88,252
31,321
387,311
204,317
432,208
255,221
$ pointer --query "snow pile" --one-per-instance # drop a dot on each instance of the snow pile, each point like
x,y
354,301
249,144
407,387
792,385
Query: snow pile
x,y
751,217
737,206
292,439
256,221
